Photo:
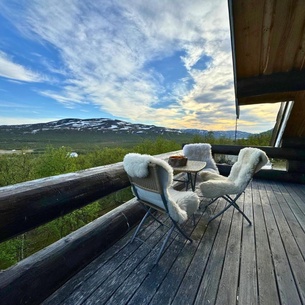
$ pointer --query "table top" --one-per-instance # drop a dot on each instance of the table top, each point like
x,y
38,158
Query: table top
x,y
191,167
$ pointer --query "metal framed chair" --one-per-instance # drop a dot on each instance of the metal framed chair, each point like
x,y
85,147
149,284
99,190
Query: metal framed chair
x,y
151,181
250,160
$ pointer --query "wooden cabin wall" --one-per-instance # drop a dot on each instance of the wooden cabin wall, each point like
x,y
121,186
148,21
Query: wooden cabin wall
x,y
295,127
294,135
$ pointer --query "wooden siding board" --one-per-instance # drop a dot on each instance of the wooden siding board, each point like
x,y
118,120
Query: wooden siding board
x,y
294,31
266,34
250,13
262,29
299,62
268,39
287,27
296,123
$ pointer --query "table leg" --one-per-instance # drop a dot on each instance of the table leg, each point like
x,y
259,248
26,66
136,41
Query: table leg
x,y
192,180
188,180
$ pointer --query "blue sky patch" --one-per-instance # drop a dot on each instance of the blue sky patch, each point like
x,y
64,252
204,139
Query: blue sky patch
x,y
172,67
202,63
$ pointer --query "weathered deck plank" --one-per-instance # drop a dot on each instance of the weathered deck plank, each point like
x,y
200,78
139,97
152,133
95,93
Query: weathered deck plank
x,y
248,275
298,232
104,283
267,288
188,288
229,262
285,281
207,292
228,286
292,250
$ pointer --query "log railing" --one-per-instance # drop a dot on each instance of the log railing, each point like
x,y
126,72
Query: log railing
x,y
289,154
25,206
272,152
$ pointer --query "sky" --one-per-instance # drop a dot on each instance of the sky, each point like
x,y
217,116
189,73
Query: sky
x,y
162,62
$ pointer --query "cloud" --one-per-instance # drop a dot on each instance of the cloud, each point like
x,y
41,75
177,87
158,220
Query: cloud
x,y
14,71
105,48
258,117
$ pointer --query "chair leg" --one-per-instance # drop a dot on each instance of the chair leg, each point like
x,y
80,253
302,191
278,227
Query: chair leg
x,y
181,231
241,212
156,219
188,180
148,213
140,225
236,206
169,233
221,212
212,201
232,202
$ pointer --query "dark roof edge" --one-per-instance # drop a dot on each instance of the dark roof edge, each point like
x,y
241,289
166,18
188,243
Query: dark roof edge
x,y
231,20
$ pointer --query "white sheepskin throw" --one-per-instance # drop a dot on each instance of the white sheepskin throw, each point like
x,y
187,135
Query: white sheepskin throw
x,y
136,165
250,160
201,152
180,204
187,201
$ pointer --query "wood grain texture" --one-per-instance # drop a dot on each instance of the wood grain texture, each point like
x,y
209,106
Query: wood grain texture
x,y
268,39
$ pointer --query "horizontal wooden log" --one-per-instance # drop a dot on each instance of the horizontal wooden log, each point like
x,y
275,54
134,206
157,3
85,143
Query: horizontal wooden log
x,y
272,152
293,142
269,174
273,83
25,206
32,280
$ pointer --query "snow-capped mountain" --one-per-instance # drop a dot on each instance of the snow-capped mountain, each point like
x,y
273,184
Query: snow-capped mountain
x,y
111,125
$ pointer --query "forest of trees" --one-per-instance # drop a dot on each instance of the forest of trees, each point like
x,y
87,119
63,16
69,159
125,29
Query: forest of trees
x,y
16,168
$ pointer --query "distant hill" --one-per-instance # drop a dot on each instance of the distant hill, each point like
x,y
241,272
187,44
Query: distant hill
x,y
109,125
88,134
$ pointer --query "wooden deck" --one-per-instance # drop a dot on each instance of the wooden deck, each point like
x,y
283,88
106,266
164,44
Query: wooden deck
x,y
229,262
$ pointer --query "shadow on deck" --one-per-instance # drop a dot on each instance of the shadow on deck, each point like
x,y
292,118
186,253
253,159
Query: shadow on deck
x,y
229,262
